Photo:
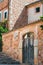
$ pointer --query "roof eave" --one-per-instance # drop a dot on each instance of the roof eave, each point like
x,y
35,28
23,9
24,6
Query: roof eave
x,y
33,3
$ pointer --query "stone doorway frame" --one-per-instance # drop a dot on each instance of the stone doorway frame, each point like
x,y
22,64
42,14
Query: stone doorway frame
x,y
30,33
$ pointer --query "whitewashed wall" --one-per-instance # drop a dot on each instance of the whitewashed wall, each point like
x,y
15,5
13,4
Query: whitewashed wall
x,y
32,15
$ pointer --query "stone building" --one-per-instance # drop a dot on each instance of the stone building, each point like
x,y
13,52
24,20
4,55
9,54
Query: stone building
x,y
4,11
25,42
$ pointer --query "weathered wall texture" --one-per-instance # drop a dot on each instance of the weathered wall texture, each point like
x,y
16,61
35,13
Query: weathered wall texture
x,y
40,50
11,44
32,14
12,41
3,4
22,20
29,15
15,9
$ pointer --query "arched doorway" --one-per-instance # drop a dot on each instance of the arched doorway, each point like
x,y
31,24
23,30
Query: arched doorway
x,y
28,48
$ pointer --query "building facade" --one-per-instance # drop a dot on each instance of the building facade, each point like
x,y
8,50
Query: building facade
x,y
3,10
26,40
16,8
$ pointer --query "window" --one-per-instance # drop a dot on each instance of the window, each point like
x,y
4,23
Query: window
x,y
5,14
0,16
37,9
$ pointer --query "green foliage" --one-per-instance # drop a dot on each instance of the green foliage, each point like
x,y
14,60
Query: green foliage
x,y
3,29
41,18
41,27
3,24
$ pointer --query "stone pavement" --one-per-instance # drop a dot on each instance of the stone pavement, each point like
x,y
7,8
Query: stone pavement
x,y
4,59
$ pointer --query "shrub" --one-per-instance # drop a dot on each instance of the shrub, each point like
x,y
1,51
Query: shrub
x,y
3,29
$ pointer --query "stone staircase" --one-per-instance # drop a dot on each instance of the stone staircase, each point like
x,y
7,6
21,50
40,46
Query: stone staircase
x,y
4,59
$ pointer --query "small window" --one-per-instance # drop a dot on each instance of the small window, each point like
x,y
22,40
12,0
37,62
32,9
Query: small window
x,y
5,15
37,9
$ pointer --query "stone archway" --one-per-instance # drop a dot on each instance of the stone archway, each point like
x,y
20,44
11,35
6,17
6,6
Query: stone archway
x,y
28,48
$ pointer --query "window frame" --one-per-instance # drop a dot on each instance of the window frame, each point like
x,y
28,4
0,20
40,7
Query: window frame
x,y
7,14
36,10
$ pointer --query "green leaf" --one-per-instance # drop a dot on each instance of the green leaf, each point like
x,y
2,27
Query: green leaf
x,y
3,29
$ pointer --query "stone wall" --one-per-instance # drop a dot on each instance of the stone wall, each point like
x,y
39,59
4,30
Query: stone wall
x,y
40,50
15,9
12,41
